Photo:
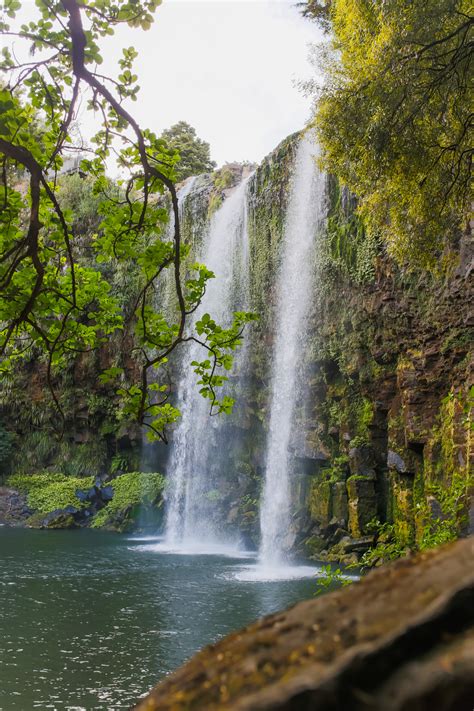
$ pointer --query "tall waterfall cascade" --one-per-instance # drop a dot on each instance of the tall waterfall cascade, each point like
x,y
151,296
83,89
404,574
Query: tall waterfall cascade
x,y
208,462
295,284
225,252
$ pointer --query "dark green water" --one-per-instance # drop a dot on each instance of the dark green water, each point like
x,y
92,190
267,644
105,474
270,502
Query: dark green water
x,y
91,620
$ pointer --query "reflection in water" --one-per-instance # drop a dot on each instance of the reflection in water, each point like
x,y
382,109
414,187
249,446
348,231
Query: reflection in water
x,y
92,620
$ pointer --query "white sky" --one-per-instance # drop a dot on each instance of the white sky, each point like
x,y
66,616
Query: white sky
x,y
227,67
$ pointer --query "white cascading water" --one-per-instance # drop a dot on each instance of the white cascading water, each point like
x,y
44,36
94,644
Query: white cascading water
x,y
294,297
225,248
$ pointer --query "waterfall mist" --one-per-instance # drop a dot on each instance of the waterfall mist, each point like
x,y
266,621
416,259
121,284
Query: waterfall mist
x,y
292,310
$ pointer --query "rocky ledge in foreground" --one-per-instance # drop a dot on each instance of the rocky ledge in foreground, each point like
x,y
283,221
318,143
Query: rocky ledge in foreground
x,y
400,639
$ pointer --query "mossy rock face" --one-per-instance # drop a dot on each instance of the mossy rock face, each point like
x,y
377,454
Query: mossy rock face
x,y
57,519
403,514
340,501
314,545
362,461
14,509
386,370
362,504
320,502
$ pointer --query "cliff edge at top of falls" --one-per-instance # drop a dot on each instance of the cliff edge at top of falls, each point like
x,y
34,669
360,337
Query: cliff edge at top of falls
x,y
400,639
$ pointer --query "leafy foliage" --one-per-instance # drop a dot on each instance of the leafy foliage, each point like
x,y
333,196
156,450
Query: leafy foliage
x,y
387,547
395,116
130,490
333,578
55,305
319,10
49,491
194,153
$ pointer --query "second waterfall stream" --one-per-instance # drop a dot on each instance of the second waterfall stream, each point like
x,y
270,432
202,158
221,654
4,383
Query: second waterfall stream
x,y
200,444
295,285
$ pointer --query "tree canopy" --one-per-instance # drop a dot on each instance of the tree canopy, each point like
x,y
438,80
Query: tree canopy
x,y
53,305
194,153
395,117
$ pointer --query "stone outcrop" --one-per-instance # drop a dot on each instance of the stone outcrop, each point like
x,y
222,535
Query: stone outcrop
x,y
401,639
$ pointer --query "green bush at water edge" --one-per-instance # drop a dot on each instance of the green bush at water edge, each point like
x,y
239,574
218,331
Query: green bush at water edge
x,y
130,490
48,491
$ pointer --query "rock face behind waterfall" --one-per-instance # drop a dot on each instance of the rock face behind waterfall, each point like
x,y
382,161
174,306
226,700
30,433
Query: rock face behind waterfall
x,y
400,639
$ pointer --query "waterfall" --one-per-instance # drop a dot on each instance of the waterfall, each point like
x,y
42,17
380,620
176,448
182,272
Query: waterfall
x,y
294,295
190,487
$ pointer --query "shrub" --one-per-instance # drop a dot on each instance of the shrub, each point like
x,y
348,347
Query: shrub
x,y
131,489
48,491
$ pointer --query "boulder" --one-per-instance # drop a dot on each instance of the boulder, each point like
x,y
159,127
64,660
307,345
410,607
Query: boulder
x,y
107,493
362,460
394,461
401,639
59,518
96,496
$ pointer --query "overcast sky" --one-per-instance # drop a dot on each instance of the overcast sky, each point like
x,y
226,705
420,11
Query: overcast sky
x,y
227,67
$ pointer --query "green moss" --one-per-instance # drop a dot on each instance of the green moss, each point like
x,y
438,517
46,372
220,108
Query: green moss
x,y
130,490
338,470
215,201
315,544
361,415
348,246
403,517
359,477
48,491
320,499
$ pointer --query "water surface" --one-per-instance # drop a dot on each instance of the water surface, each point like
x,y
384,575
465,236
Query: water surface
x,y
91,620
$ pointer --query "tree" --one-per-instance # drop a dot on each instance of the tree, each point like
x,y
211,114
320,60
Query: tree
x,y
319,10
395,116
52,305
194,153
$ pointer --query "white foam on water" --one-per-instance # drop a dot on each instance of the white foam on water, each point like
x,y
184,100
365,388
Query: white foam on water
x,y
267,574
193,548
144,538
